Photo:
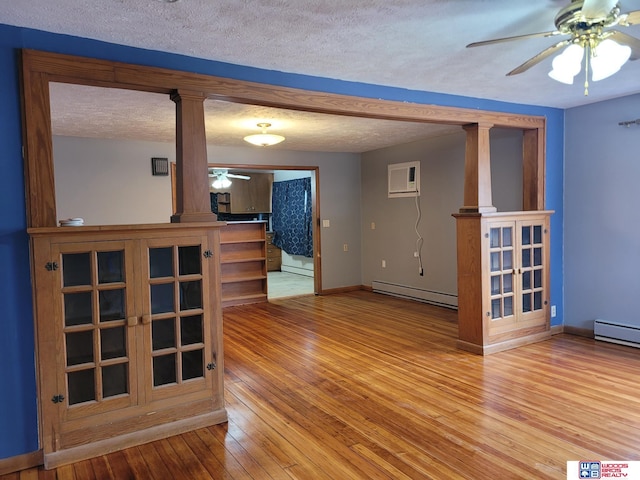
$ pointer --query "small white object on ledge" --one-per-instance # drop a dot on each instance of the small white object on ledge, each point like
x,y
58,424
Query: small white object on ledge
x,y
72,222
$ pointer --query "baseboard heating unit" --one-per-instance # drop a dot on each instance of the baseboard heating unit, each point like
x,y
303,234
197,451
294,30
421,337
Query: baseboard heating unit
x,y
428,296
617,333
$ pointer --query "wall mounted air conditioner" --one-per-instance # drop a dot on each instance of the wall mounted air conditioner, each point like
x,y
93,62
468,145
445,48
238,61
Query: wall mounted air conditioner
x,y
404,179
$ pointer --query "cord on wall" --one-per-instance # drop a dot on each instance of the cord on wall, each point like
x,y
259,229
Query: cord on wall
x,y
420,240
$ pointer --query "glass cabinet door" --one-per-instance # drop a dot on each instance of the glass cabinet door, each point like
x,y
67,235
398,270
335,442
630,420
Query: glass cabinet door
x,y
501,261
178,327
96,301
532,273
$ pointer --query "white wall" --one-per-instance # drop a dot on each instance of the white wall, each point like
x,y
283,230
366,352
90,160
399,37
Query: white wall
x,y
602,231
110,182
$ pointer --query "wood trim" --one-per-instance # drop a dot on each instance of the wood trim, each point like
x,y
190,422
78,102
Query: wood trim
x,y
581,332
333,291
533,169
103,447
21,462
39,68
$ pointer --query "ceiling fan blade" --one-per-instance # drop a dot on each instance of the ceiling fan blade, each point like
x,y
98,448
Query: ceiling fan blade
x,y
631,18
539,57
595,10
241,177
516,37
624,39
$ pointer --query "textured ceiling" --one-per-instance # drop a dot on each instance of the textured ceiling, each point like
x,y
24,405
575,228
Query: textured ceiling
x,y
414,44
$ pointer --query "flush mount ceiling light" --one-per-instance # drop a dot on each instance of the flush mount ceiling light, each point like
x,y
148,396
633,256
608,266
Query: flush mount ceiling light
x,y
264,139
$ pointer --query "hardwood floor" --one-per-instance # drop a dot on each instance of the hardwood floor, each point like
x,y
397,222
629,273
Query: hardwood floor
x,y
366,386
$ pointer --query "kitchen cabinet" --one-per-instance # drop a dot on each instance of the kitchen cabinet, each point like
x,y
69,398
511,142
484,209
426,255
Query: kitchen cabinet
x,y
129,335
503,279
246,196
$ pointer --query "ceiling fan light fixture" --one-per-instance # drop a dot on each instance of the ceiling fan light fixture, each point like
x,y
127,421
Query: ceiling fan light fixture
x,y
607,58
264,139
221,181
568,64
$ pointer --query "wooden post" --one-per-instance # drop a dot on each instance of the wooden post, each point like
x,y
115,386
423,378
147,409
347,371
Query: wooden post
x,y
193,203
477,170
533,169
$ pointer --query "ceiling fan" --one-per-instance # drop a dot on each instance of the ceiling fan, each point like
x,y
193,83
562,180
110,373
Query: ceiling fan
x,y
222,177
588,24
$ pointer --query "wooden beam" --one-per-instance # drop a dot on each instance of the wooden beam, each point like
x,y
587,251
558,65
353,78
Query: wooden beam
x,y
533,170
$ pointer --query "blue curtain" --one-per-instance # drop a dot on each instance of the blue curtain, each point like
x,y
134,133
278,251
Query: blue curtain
x,y
291,216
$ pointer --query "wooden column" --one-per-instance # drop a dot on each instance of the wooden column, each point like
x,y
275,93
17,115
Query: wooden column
x,y
533,169
193,203
477,170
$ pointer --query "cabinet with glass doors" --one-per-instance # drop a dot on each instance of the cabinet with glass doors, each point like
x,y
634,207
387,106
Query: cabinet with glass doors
x,y
129,335
503,291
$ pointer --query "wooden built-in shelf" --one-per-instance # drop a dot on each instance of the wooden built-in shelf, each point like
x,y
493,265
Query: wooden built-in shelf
x,y
243,263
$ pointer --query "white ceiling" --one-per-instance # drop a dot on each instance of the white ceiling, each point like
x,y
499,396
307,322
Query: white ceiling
x,y
413,44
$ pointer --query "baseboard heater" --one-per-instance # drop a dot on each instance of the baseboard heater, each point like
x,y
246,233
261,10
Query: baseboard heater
x,y
428,296
617,333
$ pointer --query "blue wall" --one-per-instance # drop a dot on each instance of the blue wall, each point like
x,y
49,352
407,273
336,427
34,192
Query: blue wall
x,y
18,424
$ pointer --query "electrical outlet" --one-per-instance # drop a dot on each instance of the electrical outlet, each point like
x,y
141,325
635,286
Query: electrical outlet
x,y
326,223
553,311
345,247
373,225
384,264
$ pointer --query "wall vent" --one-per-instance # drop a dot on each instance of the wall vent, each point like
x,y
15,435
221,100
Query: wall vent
x,y
617,333
404,179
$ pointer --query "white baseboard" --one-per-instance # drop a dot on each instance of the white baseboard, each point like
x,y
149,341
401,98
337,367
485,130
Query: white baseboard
x,y
422,295
297,270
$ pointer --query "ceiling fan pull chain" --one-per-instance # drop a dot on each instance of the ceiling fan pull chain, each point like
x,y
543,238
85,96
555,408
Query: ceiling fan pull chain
x,y
587,57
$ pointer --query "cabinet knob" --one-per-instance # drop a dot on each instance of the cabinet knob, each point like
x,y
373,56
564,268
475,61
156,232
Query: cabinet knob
x,y
132,321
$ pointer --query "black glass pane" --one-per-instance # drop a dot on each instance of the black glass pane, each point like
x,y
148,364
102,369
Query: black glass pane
x,y
161,262
537,300
526,302
112,305
162,298
495,285
507,281
163,334
114,380
507,260
110,267
164,370
77,309
191,330
79,347
526,280
495,261
81,386
189,260
537,278
494,237
526,235
526,258
192,364
76,269
495,308
506,237
508,306
190,295
113,342
537,256
537,234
